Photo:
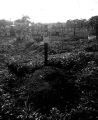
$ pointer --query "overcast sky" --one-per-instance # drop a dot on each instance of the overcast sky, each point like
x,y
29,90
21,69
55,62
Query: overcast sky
x,y
47,11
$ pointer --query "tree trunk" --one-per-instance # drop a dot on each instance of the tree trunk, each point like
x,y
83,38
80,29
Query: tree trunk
x,y
97,33
45,53
74,31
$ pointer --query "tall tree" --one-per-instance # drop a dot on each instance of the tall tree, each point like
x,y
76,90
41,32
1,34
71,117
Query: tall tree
x,y
22,28
4,27
93,23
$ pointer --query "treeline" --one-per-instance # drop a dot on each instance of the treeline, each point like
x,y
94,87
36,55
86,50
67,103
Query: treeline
x,y
23,28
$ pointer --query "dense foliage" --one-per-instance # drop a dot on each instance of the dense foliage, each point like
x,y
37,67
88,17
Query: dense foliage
x,y
65,89
25,30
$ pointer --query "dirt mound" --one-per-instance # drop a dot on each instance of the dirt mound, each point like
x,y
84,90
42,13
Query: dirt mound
x,y
49,87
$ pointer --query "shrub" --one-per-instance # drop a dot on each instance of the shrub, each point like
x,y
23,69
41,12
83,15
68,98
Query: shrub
x,y
92,48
